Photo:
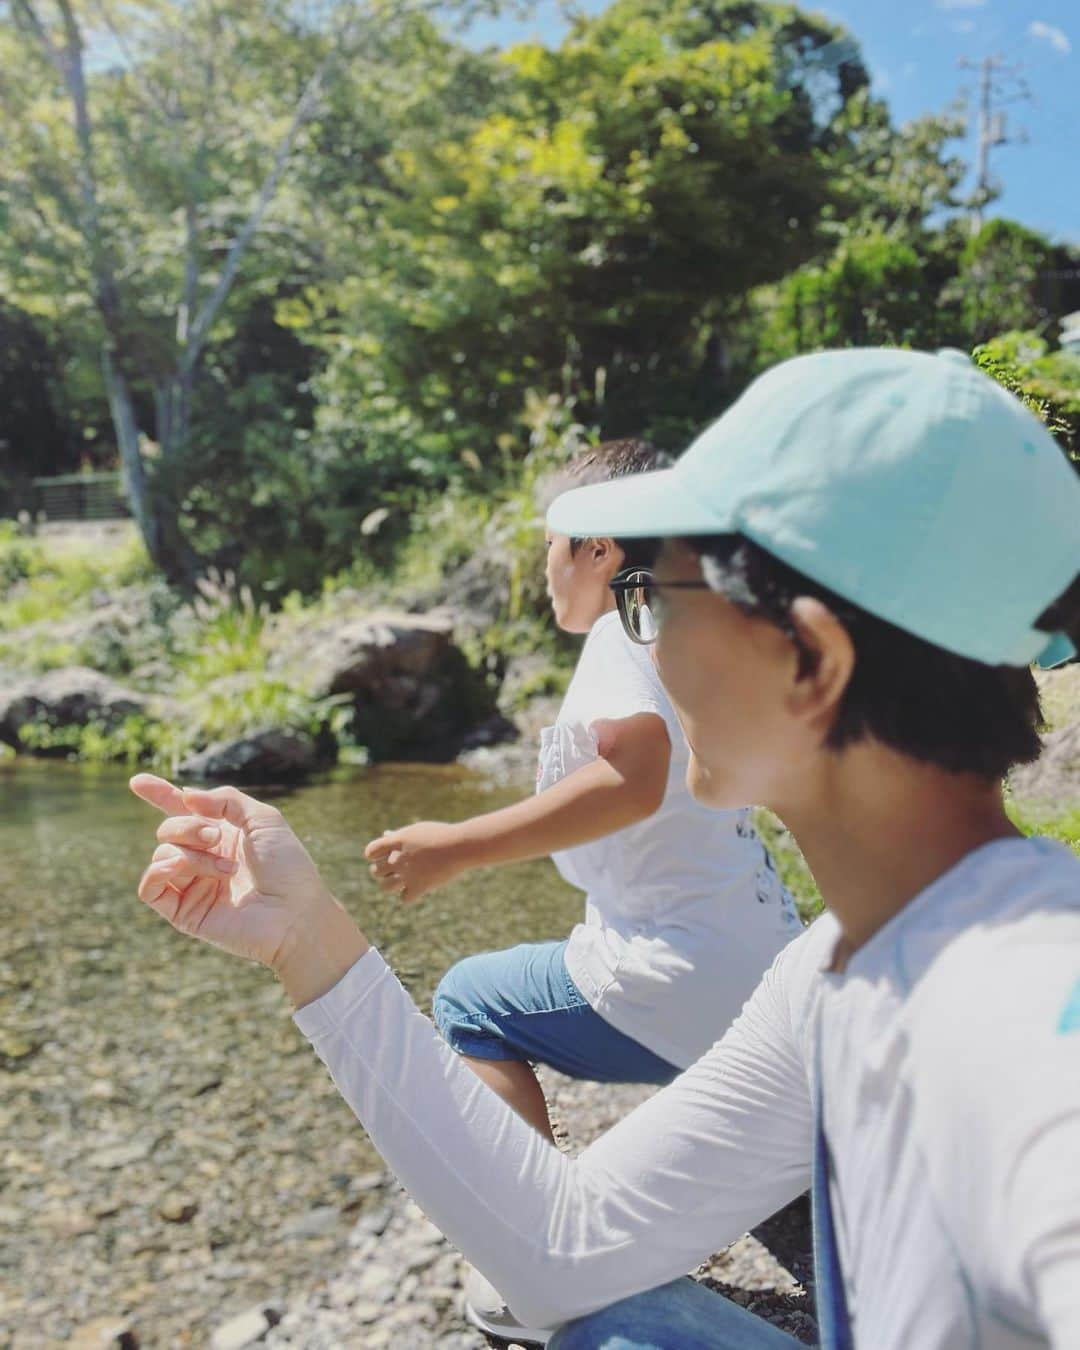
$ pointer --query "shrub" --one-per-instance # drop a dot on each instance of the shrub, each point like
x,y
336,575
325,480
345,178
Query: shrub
x,y
1047,382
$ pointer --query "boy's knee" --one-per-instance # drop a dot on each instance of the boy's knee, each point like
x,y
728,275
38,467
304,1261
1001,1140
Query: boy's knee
x,y
450,1001
442,1003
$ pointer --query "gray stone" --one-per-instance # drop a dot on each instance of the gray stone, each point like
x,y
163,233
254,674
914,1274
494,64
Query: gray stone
x,y
177,1208
105,1333
382,655
375,1221
73,696
123,1155
364,1312
367,1181
322,1219
410,686
495,730
274,755
246,1329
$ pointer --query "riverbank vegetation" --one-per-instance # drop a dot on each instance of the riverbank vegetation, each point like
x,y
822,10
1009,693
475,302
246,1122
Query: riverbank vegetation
x,y
338,290
322,284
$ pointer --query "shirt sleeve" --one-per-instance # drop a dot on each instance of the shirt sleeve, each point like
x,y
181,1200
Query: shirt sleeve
x,y
1037,1150
1005,1090
1044,1201
725,1145
622,679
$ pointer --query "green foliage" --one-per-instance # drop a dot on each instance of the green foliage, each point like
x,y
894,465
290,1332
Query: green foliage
x,y
137,739
38,583
35,436
1047,382
1001,282
584,236
613,234
790,863
224,682
1064,828
213,657
874,290
19,558
799,880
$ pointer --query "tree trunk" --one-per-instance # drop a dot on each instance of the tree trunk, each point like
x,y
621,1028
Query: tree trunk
x,y
154,515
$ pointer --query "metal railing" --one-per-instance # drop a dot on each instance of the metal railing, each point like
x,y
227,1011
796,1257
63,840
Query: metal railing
x,y
80,496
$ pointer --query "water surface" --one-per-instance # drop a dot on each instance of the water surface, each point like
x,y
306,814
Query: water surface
x,y
171,1148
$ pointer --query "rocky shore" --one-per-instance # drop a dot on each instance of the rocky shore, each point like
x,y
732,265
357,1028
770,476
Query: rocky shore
x,y
157,1196
400,1284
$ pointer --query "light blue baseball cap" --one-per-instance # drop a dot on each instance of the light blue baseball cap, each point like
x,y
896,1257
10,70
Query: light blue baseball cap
x,y
911,484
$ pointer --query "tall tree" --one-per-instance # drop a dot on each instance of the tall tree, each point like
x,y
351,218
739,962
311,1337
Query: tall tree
x,y
151,153
595,232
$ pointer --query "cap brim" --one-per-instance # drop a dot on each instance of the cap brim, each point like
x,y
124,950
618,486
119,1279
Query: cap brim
x,y
1056,652
639,506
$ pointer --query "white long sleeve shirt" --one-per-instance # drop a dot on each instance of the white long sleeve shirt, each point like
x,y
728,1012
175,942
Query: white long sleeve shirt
x,y
949,1053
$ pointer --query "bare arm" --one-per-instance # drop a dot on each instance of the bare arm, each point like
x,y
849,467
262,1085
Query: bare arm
x,y
624,785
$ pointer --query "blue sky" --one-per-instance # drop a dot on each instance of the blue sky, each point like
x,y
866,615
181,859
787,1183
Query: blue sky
x,y
912,48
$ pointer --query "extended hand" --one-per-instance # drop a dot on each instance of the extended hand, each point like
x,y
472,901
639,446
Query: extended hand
x,y
230,871
417,859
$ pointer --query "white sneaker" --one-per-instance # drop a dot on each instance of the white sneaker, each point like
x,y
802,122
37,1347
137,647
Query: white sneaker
x,y
486,1309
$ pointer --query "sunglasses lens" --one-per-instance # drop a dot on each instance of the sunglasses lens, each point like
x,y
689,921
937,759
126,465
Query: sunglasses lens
x,y
636,601
647,620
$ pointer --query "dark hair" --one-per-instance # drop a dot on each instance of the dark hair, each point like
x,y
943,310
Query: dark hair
x,y
918,698
616,459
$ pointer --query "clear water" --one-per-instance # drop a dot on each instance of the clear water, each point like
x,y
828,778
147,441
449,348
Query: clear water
x,y
138,1067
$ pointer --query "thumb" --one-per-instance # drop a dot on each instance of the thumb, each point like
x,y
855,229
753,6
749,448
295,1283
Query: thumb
x,y
229,803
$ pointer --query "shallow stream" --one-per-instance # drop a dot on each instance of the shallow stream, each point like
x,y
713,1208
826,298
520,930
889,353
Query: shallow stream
x,y
170,1148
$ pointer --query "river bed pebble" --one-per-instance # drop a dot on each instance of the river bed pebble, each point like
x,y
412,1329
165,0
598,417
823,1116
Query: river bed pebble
x,y
401,1283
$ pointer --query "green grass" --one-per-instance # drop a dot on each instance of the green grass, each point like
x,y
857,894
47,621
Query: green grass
x,y
1065,827
214,653
39,583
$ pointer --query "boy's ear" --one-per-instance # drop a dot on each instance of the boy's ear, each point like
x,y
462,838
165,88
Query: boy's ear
x,y
827,660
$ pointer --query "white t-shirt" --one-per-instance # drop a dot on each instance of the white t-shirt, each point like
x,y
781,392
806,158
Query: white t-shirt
x,y
950,1074
683,910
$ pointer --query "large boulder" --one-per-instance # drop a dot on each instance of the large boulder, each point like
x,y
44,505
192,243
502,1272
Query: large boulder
x,y
271,756
411,689
72,697
386,657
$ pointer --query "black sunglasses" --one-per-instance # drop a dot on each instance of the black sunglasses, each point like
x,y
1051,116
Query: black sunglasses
x,y
637,598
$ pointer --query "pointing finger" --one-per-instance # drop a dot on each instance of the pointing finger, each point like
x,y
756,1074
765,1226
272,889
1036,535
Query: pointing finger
x,y
159,792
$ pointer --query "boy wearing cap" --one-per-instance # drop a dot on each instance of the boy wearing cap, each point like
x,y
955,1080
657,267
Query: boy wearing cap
x,y
846,639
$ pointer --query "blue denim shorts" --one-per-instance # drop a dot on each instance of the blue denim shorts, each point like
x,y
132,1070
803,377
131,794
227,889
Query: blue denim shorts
x,y
522,1004
681,1315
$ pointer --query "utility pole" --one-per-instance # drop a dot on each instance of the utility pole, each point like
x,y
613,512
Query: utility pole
x,y
999,84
